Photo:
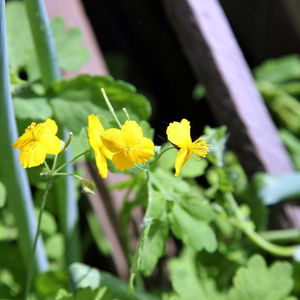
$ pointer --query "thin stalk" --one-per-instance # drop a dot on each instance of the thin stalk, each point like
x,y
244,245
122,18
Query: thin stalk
x,y
68,174
284,235
284,251
72,160
65,187
110,107
12,174
38,230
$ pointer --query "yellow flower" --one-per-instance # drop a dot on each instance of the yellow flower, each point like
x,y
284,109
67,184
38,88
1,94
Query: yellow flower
x,y
128,145
95,131
36,142
179,134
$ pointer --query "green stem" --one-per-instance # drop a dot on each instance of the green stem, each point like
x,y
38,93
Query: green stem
x,y
126,114
43,39
30,274
12,174
67,174
241,223
159,156
284,235
111,109
68,162
48,63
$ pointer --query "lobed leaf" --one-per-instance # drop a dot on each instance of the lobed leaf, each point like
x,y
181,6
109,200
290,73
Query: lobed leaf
x,y
258,281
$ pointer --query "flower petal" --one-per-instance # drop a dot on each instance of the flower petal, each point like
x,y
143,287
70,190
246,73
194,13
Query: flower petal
x,y
123,160
144,150
25,138
132,133
49,127
113,140
101,163
95,130
51,144
182,157
179,134
32,154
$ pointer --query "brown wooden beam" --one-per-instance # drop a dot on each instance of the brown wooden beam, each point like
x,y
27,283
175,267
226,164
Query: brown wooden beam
x,y
218,63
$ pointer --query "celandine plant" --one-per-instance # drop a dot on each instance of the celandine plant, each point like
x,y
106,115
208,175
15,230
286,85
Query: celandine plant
x,y
219,229
171,203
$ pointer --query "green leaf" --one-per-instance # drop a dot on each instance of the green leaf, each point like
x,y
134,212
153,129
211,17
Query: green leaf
x,y
279,69
257,281
84,276
48,225
71,54
55,247
49,283
272,189
171,187
34,109
98,235
217,138
151,247
19,40
185,280
189,221
198,92
2,194
77,98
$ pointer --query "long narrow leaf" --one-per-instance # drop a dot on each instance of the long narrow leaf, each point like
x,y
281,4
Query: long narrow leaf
x,y
47,57
11,172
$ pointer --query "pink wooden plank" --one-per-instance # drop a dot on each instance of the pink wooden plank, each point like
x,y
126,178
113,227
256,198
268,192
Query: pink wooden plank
x,y
218,62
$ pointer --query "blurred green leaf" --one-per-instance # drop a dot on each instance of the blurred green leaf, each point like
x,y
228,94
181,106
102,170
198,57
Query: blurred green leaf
x,y
47,284
2,195
48,225
84,276
34,109
284,108
99,237
279,70
257,281
55,247
274,188
217,138
189,221
292,144
71,54
198,92
185,280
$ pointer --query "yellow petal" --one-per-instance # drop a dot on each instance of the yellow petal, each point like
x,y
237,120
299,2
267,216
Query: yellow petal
x,y
113,140
95,130
179,133
51,144
49,127
123,160
132,133
182,157
32,154
144,150
101,163
25,138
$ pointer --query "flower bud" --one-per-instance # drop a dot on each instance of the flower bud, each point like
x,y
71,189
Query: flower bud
x,y
88,186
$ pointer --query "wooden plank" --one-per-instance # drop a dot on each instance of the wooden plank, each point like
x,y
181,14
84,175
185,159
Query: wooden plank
x,y
104,204
218,63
